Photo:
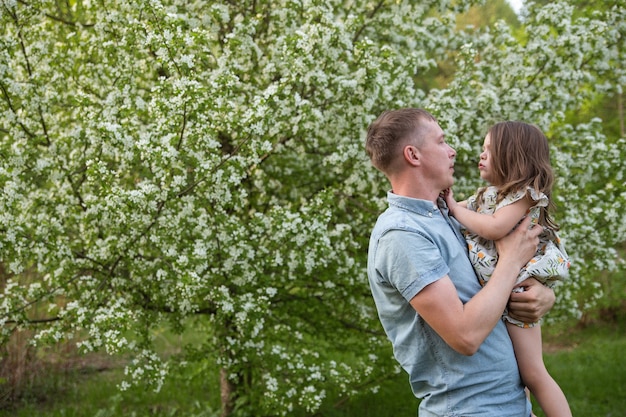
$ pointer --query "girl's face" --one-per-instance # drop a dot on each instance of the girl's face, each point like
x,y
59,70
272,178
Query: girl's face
x,y
484,165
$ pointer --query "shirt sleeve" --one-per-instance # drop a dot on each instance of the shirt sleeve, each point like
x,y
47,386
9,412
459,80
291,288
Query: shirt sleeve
x,y
409,261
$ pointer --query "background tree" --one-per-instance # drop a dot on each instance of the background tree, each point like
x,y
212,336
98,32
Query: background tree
x,y
202,165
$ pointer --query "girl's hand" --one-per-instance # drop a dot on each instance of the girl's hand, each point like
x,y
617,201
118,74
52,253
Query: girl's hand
x,y
448,195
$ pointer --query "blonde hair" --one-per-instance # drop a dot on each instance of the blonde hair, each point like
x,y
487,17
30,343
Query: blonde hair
x,y
390,132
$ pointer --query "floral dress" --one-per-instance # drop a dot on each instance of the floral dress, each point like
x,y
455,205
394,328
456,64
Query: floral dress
x,y
550,263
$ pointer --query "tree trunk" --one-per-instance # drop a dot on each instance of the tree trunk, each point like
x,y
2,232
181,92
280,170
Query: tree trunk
x,y
226,394
620,112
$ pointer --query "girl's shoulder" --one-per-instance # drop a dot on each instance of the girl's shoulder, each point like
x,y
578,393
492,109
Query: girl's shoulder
x,y
539,198
484,198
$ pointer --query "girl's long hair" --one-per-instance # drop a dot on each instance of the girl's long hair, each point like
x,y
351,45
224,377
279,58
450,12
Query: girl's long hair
x,y
520,158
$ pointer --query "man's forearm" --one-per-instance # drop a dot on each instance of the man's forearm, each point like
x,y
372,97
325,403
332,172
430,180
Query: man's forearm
x,y
485,309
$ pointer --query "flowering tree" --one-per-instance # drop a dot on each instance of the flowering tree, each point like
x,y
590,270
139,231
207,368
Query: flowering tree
x,y
201,164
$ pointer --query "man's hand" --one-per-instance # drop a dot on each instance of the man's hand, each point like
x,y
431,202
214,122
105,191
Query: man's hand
x,y
520,245
532,303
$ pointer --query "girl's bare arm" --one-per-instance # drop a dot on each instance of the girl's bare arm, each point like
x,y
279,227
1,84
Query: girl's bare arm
x,y
491,226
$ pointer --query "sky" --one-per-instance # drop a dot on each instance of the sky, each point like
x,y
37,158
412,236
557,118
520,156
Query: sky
x,y
516,4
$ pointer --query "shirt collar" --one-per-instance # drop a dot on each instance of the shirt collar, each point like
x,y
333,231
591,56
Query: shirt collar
x,y
424,208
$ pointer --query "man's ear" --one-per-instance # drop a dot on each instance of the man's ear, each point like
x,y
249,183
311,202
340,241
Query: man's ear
x,y
412,155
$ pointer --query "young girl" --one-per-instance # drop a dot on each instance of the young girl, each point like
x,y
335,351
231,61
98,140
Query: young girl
x,y
516,163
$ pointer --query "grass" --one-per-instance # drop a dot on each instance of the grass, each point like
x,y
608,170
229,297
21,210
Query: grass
x,y
588,363
590,366
95,394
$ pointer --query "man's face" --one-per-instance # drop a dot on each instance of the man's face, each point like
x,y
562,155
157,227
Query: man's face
x,y
437,156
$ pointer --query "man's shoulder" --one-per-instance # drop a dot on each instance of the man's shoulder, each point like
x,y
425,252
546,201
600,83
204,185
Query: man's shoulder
x,y
398,220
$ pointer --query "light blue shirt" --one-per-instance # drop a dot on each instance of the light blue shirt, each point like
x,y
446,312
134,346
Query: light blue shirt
x,y
414,244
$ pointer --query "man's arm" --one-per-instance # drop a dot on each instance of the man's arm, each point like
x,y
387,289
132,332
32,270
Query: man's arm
x,y
465,326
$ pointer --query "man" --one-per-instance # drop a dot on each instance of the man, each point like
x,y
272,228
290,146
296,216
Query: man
x,y
445,328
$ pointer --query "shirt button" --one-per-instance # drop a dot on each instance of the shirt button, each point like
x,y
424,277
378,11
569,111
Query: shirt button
x,y
430,214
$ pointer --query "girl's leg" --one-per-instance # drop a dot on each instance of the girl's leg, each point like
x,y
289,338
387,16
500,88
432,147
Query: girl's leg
x,y
527,391
527,346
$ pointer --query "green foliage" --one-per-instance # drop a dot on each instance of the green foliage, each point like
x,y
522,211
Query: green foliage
x,y
586,361
487,14
163,160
